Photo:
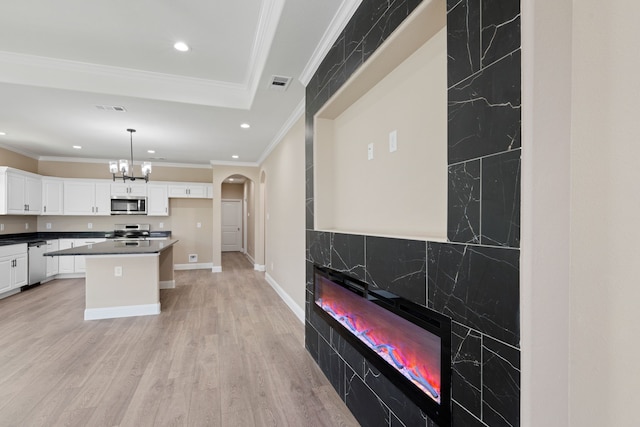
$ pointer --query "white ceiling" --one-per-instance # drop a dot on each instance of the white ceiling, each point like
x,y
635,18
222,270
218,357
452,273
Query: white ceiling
x,y
59,60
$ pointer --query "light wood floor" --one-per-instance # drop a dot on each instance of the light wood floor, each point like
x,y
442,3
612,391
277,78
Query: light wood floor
x,y
225,351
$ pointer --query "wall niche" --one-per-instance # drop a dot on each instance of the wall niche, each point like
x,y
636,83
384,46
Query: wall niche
x,y
403,88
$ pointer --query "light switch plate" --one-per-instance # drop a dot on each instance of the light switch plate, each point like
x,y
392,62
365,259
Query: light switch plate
x,y
48,226
370,151
117,271
393,141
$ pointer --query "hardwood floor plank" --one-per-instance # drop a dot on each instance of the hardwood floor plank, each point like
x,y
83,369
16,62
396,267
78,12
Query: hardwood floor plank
x,y
225,351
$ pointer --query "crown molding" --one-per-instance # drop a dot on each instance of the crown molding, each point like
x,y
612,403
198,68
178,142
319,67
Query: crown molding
x,y
339,21
21,152
293,118
106,162
230,163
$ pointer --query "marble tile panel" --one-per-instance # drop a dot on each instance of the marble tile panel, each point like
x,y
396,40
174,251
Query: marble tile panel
x,y
311,340
484,112
396,12
397,265
366,407
331,365
500,29
353,358
463,208
501,383
478,287
319,248
501,200
319,324
461,418
347,254
407,411
463,40
466,370
332,61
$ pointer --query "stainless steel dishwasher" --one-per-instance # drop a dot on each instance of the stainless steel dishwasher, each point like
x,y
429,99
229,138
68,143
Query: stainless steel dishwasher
x,y
37,261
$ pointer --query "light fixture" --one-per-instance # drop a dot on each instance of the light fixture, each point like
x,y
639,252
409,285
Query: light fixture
x,y
151,151
77,147
230,179
181,46
245,126
2,133
122,166
235,156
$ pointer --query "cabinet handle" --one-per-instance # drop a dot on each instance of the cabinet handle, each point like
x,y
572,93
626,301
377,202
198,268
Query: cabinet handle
x,y
45,208
93,209
96,209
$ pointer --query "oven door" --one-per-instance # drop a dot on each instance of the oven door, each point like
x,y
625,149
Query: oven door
x,y
129,206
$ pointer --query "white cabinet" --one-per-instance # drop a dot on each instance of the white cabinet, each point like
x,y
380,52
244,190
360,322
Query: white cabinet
x,y
13,267
188,190
52,190
129,189
82,197
20,192
52,261
74,264
157,200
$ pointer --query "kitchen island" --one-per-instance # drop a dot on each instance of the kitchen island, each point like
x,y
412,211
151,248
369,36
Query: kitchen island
x,y
124,278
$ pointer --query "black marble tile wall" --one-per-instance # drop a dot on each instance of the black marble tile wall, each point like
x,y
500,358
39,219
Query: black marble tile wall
x,y
474,277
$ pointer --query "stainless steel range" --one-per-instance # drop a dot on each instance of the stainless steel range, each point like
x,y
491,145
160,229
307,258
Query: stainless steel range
x,y
130,232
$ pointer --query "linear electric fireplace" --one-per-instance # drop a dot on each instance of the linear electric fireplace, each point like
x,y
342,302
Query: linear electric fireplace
x,y
408,343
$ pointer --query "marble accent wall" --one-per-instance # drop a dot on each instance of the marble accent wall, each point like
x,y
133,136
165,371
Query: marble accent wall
x,y
474,277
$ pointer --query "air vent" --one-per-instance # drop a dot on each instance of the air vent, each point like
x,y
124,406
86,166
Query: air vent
x,y
111,108
279,83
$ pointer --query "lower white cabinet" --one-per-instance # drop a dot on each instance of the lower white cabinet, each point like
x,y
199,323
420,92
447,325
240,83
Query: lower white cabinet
x,y
52,261
74,264
13,267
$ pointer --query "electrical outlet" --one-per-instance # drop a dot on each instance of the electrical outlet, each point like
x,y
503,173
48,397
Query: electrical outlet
x,y
193,257
1,227
199,225
161,225
90,225
26,225
393,141
370,151
117,271
272,266
48,226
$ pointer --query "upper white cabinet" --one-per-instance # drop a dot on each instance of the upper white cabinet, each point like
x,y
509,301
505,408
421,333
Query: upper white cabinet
x,y
188,190
82,197
136,188
52,191
20,192
157,200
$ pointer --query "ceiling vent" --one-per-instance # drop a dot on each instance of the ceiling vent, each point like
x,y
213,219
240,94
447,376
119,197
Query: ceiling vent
x,y
111,108
279,83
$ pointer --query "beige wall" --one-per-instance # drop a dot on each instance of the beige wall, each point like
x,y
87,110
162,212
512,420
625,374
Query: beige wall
x,y
16,224
101,223
604,217
285,212
232,191
18,161
403,193
186,214
101,171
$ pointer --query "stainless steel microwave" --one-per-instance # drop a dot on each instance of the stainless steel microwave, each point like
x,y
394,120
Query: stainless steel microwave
x,y
128,205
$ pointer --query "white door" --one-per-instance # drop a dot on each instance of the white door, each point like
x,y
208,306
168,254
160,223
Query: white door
x,y
231,225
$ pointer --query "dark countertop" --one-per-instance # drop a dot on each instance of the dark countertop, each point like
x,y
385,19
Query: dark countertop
x,y
111,247
13,239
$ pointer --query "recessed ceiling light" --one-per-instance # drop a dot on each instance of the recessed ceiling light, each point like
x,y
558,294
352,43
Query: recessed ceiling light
x,y
151,151
181,46
2,133
230,179
77,147
245,126
235,156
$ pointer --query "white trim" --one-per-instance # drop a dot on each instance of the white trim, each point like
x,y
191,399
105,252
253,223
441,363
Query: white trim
x,y
22,152
90,160
216,269
337,24
293,118
193,266
295,308
233,163
121,311
10,292
250,258
70,276
167,284
259,267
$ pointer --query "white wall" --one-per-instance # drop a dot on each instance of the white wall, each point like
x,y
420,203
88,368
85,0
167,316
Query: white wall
x,y
605,199
285,210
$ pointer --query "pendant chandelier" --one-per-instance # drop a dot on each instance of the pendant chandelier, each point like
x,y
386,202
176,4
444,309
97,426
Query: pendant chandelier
x,y
123,166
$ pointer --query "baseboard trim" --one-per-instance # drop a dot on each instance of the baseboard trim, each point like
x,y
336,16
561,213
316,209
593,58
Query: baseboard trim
x,y
250,258
9,293
193,266
286,298
122,311
216,269
70,276
168,284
